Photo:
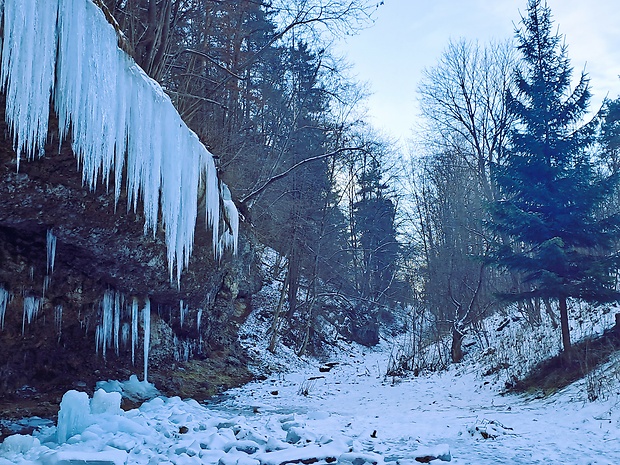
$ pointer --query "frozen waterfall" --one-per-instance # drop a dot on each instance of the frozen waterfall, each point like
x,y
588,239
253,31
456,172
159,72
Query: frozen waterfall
x,y
66,52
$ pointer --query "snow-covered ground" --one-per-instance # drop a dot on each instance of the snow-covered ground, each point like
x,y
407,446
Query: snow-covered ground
x,y
349,414
345,410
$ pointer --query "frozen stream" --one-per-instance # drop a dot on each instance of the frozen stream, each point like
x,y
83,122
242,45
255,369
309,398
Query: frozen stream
x,y
354,400
349,414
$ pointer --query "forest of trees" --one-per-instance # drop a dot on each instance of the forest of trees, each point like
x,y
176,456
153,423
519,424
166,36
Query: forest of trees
x,y
509,194
515,195
259,85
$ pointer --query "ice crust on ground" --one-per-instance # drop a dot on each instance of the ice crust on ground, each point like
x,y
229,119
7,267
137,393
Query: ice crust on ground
x,y
66,52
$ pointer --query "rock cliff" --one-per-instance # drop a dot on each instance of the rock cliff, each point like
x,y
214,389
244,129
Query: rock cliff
x,y
101,248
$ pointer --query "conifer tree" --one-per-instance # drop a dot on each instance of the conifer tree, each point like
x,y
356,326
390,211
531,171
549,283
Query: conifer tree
x,y
375,227
551,190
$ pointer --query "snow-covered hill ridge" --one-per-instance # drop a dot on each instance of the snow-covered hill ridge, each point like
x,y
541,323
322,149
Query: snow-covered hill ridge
x,y
65,51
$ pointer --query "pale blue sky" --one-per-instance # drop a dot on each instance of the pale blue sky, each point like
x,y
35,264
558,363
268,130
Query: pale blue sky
x,y
410,35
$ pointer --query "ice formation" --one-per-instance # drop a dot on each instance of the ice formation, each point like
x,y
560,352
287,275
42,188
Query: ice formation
x,y
229,237
117,321
46,285
31,310
134,329
183,311
104,331
198,323
110,331
125,334
147,336
58,319
120,119
74,415
4,300
51,251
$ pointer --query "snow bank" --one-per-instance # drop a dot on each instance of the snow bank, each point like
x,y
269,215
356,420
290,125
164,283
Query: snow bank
x,y
118,117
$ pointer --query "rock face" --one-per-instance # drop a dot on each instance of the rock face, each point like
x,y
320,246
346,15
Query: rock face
x,y
100,247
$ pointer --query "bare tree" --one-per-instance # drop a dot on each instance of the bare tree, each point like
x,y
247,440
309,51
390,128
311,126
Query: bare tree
x,y
463,101
467,125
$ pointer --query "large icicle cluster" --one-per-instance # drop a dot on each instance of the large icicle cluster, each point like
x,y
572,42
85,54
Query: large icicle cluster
x,y
110,333
120,119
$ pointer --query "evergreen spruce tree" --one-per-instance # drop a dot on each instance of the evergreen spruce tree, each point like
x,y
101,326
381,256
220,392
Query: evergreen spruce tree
x,y
375,227
549,212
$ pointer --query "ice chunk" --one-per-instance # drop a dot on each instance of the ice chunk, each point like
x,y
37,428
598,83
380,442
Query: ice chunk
x,y
78,457
74,415
136,390
105,402
309,454
438,452
19,444
110,385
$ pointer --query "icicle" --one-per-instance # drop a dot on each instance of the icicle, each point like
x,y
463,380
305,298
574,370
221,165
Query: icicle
x,y
27,74
198,323
51,251
105,335
31,310
183,309
146,314
134,329
98,339
46,285
58,319
125,329
186,351
117,321
4,300
230,235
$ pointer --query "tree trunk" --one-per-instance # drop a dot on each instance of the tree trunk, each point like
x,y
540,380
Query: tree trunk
x,y
276,316
564,324
551,313
457,348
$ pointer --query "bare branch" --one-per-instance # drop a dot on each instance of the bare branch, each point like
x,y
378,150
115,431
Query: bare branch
x,y
286,172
